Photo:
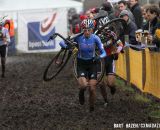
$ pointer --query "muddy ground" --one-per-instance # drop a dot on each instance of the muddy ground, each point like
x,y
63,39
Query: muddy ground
x,y
29,103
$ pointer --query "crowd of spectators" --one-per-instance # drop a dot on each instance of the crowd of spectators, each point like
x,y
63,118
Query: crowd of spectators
x,y
138,17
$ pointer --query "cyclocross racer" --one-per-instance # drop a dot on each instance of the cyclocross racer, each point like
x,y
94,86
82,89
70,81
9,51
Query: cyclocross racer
x,y
86,61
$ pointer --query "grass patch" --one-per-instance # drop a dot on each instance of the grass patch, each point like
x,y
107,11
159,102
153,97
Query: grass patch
x,y
155,114
121,84
155,106
141,98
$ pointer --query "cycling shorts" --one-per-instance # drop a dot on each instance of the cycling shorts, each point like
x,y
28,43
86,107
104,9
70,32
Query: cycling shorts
x,y
3,51
87,68
109,65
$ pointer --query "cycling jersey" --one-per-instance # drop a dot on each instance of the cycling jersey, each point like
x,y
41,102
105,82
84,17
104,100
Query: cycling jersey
x,y
87,47
4,34
113,47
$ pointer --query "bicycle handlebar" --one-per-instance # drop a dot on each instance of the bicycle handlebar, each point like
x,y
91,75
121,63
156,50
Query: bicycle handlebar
x,y
68,40
65,39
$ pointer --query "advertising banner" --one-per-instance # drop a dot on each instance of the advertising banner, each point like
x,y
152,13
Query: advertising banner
x,y
39,33
36,26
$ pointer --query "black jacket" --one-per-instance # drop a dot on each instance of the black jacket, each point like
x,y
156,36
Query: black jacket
x,y
136,10
155,25
131,26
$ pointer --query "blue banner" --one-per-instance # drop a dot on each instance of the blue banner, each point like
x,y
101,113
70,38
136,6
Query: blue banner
x,y
38,36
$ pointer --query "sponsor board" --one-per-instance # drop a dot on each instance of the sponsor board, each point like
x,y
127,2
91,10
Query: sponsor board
x,y
39,33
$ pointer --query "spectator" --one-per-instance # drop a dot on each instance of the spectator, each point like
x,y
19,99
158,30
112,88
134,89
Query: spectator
x,y
145,16
123,6
116,11
108,7
136,10
71,13
73,21
89,14
131,26
75,24
154,25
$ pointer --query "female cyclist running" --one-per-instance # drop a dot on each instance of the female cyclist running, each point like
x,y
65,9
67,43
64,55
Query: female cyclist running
x,y
86,61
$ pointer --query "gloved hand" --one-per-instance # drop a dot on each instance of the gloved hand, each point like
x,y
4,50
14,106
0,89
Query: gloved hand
x,y
63,45
96,58
115,56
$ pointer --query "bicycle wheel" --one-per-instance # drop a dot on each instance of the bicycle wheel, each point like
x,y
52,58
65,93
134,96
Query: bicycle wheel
x,y
56,65
100,68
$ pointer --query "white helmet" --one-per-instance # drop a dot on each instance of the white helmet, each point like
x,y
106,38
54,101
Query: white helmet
x,y
87,23
103,21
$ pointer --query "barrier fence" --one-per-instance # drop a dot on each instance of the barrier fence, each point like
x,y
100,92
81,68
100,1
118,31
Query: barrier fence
x,y
141,68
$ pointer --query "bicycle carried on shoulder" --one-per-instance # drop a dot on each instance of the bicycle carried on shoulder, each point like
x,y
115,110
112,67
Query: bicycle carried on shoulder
x,y
59,61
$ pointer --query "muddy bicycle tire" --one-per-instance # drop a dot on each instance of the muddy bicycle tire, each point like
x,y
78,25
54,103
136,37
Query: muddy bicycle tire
x,y
56,65
118,26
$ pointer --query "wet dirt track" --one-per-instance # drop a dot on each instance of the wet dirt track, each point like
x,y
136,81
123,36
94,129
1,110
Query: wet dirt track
x,y
29,103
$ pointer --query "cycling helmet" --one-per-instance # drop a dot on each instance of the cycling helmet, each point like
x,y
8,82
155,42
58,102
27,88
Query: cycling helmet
x,y
103,21
87,23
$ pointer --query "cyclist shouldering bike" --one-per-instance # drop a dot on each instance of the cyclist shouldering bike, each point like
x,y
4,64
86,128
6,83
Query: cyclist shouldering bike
x,y
86,61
